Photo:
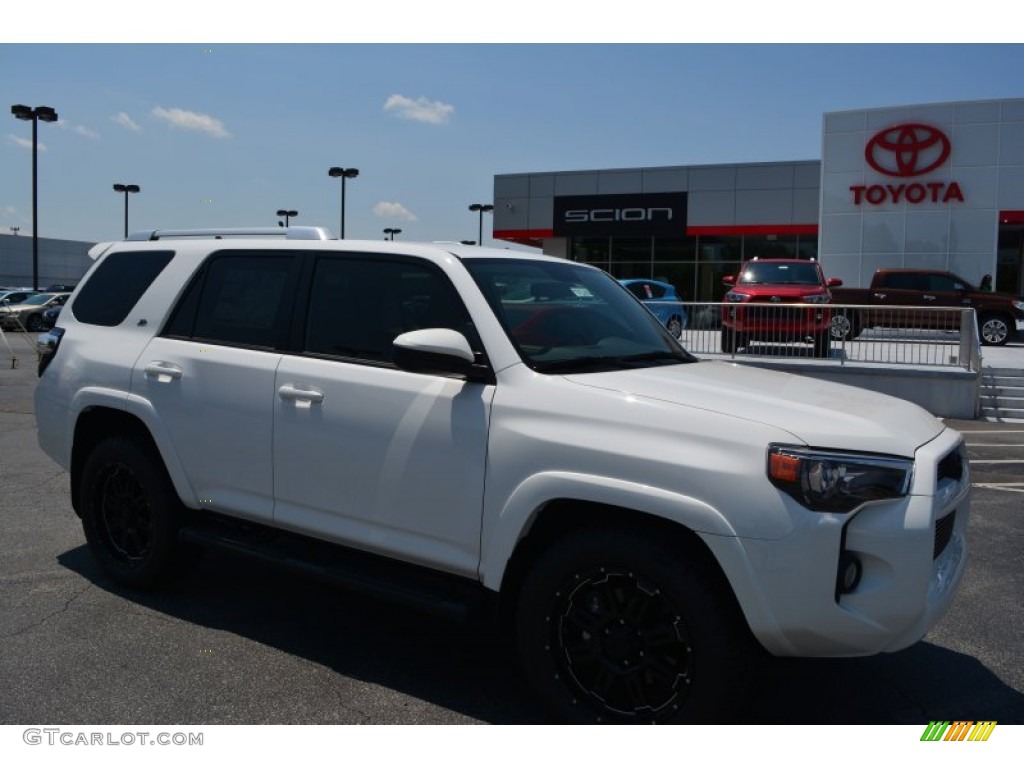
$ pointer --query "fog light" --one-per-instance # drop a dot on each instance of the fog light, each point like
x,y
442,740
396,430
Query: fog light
x,y
849,573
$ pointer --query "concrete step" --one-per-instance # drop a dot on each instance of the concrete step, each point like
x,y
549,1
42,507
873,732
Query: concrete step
x,y
1003,391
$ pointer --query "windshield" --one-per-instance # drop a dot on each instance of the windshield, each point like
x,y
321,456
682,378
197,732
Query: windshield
x,y
41,298
787,273
571,318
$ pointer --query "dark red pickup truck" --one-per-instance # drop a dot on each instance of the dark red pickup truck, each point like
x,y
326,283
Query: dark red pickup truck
x,y
1000,315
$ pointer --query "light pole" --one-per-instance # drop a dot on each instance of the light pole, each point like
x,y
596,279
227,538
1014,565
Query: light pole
x,y
342,173
47,115
391,232
287,216
126,188
481,208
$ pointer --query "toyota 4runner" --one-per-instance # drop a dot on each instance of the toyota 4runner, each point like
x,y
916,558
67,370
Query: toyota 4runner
x,y
778,301
475,430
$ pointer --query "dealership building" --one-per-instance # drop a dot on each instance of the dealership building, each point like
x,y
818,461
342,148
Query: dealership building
x,y
937,186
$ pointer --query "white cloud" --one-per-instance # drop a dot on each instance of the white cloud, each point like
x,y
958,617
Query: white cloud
x,y
192,121
26,143
421,110
89,133
122,119
394,211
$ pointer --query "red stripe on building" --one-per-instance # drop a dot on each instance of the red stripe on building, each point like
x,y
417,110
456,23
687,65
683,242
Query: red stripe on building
x,y
1011,217
754,229
523,234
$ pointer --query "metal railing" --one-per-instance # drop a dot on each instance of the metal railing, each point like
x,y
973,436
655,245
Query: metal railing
x,y
940,337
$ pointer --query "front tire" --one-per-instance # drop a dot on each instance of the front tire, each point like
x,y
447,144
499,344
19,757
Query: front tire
x,y
34,323
730,340
617,626
130,513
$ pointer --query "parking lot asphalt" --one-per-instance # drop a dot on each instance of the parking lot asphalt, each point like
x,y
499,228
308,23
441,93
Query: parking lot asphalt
x,y
235,642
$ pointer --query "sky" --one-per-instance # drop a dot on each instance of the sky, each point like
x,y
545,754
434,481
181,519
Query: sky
x,y
226,134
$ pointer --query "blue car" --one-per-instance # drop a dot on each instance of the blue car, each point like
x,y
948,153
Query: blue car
x,y
663,301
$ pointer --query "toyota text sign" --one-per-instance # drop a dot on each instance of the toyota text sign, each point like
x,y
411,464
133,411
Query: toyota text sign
x,y
905,153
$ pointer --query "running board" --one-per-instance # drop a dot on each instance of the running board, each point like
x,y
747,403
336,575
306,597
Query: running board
x,y
370,575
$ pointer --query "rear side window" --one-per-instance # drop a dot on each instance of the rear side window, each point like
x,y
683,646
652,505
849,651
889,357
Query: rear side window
x,y
238,299
117,285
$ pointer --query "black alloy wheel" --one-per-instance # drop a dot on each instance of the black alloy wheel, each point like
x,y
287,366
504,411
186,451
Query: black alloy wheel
x,y
131,513
621,644
675,327
619,626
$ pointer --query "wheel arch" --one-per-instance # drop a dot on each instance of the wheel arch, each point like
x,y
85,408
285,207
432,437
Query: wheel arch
x,y
562,517
97,423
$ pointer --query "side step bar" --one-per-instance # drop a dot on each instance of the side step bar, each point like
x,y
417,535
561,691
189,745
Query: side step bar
x,y
370,575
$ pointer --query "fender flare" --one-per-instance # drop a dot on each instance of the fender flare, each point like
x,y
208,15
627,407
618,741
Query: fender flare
x,y
530,497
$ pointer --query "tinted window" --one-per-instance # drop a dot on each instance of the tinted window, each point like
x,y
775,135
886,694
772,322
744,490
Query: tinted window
x,y
905,281
242,299
358,307
944,283
117,284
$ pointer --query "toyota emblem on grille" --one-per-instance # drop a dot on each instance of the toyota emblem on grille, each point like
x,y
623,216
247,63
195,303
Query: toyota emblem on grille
x,y
910,149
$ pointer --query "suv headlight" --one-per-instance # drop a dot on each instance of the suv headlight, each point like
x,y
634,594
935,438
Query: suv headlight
x,y
736,296
825,481
817,298
1019,305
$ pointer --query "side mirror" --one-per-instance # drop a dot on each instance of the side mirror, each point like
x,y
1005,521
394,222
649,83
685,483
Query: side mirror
x,y
434,350
728,280
834,282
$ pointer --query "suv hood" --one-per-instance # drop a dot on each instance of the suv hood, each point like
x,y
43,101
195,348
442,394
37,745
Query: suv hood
x,y
820,413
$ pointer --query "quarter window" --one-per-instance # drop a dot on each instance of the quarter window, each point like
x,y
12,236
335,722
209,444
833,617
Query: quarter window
x,y
116,286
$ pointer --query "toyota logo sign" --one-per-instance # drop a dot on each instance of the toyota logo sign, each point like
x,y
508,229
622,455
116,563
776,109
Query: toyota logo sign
x,y
906,151
910,149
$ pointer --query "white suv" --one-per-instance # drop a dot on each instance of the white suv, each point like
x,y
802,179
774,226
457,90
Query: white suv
x,y
463,428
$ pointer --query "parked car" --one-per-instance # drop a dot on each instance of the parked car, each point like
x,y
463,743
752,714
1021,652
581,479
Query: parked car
x,y
661,299
479,432
15,296
927,292
28,315
768,301
50,316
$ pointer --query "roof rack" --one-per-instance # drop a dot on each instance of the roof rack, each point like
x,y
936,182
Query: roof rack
x,y
289,233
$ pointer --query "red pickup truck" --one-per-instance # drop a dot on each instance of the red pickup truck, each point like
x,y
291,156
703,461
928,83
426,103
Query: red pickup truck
x,y
1000,315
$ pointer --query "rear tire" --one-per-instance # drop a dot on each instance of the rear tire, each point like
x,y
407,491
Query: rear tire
x,y
995,330
621,626
845,327
131,513
675,327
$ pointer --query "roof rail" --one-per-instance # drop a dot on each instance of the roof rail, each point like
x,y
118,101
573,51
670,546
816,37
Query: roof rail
x,y
289,233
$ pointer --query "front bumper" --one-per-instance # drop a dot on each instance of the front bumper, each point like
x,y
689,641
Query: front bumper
x,y
912,551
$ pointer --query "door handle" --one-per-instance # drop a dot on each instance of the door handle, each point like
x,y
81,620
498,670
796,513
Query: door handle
x,y
880,295
298,395
163,372
926,297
